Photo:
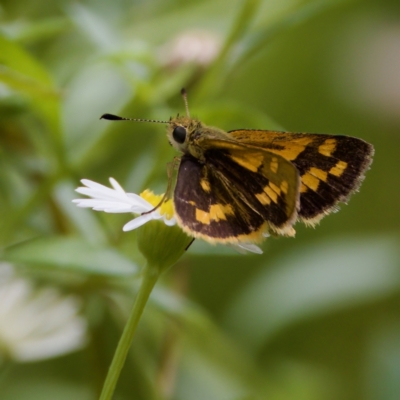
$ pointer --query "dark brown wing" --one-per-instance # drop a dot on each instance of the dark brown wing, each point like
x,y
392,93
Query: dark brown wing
x,y
331,167
235,195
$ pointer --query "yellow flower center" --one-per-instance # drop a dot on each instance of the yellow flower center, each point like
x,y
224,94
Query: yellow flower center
x,y
166,208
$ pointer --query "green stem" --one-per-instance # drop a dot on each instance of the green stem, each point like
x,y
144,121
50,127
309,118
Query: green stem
x,y
150,277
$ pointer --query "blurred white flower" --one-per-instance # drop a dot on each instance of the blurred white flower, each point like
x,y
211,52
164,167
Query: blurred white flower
x,y
116,200
366,68
36,324
196,47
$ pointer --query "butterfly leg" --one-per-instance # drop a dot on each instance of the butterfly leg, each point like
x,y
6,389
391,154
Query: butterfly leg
x,y
187,247
171,166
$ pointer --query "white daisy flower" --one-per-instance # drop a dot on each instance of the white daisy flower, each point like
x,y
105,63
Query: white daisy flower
x,y
116,200
36,324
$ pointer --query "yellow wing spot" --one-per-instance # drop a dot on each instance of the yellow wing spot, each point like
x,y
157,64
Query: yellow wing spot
x,y
217,213
319,173
263,198
284,187
310,181
203,216
271,194
303,188
294,148
274,165
251,161
275,188
205,185
339,168
328,147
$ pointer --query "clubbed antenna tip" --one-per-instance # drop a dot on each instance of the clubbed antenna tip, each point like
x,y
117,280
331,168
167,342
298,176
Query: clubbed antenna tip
x,y
111,117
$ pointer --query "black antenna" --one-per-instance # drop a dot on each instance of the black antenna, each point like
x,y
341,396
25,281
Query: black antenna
x,y
112,117
184,95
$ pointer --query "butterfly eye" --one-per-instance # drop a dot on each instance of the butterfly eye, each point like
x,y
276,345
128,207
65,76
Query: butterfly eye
x,y
179,134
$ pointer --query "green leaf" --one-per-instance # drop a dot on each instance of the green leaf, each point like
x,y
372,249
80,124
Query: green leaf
x,y
212,80
20,71
45,389
313,282
257,41
71,254
382,361
18,60
37,30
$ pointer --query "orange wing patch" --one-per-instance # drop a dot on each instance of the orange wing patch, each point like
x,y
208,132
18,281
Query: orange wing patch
x,y
338,169
328,147
217,212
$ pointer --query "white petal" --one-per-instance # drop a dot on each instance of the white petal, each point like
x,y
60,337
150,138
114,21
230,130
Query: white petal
x,y
93,185
170,222
108,206
111,200
140,201
248,247
96,190
156,215
135,223
109,194
116,185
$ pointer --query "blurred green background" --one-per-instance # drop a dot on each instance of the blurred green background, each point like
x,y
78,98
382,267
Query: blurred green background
x,y
315,317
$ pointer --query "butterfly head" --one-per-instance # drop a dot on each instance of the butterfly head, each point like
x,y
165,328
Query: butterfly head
x,y
181,130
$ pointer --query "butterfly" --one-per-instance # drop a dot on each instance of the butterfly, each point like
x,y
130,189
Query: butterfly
x,y
242,185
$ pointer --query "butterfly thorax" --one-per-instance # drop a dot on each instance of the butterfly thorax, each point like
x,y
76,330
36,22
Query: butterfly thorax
x,y
189,136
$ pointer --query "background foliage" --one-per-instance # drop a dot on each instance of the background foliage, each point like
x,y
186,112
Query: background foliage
x,y
316,317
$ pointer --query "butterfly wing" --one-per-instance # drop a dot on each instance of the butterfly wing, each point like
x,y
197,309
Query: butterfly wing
x,y
331,167
236,194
